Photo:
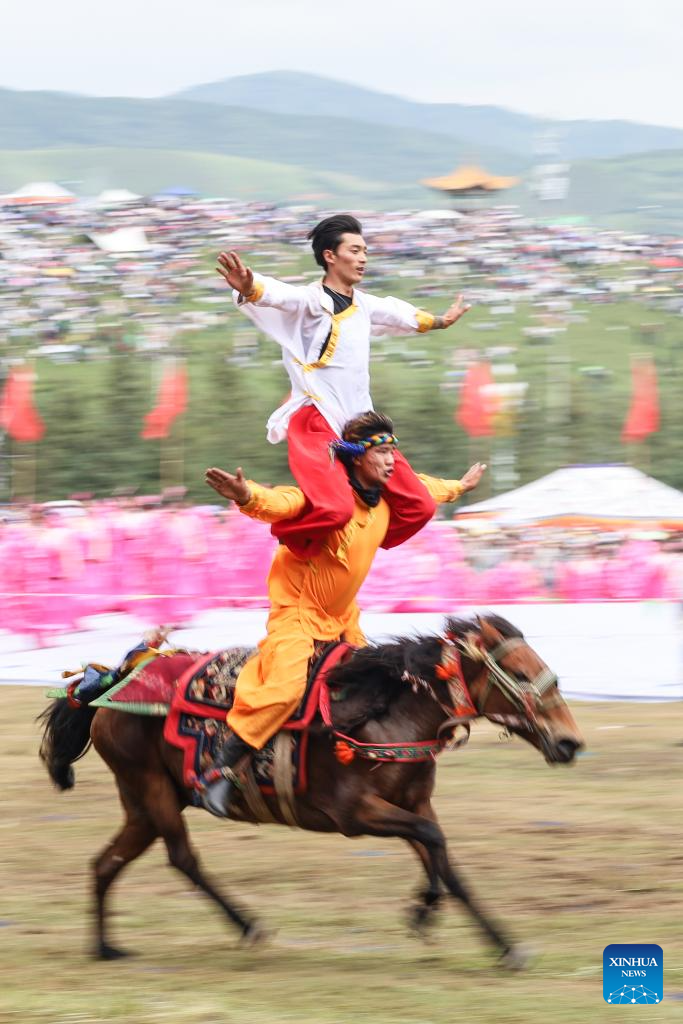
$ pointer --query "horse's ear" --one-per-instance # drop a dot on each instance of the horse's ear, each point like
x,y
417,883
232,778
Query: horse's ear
x,y
489,634
471,646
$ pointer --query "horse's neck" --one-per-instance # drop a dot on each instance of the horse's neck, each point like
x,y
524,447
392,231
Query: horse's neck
x,y
411,716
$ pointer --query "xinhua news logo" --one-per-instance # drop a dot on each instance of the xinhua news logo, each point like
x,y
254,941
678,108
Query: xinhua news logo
x,y
633,972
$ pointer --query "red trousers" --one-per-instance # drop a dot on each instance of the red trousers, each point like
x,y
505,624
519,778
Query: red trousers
x,y
329,496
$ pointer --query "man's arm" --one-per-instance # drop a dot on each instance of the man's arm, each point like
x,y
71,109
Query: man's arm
x,y
450,490
269,504
395,316
258,290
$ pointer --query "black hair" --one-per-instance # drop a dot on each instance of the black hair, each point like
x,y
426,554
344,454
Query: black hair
x,y
328,234
365,425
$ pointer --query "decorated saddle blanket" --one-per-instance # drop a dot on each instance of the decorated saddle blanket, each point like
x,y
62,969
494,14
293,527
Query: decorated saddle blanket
x,y
195,692
196,720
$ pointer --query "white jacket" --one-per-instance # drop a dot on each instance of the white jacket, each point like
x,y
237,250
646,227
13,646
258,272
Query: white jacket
x,y
299,318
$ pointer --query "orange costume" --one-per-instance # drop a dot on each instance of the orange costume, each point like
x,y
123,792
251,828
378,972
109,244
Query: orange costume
x,y
310,599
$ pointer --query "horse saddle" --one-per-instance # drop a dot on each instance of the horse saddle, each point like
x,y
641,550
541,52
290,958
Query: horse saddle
x,y
198,684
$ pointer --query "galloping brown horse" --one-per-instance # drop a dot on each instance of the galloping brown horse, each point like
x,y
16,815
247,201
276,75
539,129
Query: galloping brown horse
x,y
401,694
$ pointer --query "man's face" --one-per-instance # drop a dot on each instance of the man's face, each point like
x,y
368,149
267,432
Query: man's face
x,y
375,467
348,262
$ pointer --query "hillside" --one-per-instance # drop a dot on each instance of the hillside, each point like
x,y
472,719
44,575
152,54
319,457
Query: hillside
x,y
89,169
292,92
45,120
94,143
640,193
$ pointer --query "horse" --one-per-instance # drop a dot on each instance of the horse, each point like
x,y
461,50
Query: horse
x,y
405,692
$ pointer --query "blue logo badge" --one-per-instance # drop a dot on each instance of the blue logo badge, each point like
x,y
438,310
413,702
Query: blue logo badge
x,y
633,972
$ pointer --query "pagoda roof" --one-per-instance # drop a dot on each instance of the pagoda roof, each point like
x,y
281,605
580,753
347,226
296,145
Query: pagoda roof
x,y
470,179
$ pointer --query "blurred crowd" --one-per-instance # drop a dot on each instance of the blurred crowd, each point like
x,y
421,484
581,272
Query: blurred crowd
x,y
71,270
165,562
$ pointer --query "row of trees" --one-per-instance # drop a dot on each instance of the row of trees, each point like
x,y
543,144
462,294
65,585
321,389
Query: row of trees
x,y
128,422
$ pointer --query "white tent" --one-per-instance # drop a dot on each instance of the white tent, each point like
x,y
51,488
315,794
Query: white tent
x,y
121,240
439,215
39,192
115,197
586,492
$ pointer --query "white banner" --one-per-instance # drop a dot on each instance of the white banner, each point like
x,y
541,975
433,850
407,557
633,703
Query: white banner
x,y
616,651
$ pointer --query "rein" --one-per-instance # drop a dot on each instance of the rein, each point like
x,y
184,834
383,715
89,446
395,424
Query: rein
x,y
459,715
528,697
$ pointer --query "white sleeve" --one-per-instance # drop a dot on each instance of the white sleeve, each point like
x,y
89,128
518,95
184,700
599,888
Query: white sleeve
x,y
394,316
276,309
272,294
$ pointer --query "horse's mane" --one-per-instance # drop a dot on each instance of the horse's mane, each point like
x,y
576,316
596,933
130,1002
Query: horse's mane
x,y
378,674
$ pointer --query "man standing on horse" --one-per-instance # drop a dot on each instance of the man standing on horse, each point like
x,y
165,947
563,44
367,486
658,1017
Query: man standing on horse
x,y
312,598
324,330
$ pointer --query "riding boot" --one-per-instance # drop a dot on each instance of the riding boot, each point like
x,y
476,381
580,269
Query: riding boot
x,y
217,794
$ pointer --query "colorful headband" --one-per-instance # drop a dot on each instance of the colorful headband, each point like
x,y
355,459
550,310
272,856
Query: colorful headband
x,y
352,449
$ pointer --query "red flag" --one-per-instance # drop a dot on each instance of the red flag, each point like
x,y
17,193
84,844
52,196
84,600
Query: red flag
x,y
642,418
171,402
477,408
18,415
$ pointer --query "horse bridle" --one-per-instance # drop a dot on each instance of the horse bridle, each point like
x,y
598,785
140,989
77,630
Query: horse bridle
x,y
527,696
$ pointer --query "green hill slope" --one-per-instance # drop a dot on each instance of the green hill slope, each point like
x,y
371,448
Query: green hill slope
x,y
641,190
39,120
640,193
292,92
89,169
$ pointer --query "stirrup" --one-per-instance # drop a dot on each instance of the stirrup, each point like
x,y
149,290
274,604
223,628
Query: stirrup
x,y
217,790
215,774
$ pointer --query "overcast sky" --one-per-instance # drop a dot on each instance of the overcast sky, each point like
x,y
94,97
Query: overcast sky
x,y
582,58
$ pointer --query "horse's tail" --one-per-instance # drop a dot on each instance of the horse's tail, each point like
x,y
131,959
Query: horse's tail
x,y
66,738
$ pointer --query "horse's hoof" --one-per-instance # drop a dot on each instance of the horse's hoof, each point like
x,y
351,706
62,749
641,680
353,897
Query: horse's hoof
x,y
106,952
254,935
517,958
420,921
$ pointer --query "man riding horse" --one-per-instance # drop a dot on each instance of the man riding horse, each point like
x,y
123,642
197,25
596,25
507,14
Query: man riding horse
x,y
312,598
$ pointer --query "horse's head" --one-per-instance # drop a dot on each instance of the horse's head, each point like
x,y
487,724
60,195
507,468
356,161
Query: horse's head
x,y
511,685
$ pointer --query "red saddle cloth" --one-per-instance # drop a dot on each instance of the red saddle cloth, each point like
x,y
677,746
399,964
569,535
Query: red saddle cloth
x,y
203,698
150,687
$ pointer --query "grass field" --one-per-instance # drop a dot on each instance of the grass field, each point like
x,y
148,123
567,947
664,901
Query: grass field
x,y
90,169
571,859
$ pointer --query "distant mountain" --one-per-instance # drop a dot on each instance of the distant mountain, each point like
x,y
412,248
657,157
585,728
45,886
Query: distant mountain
x,y
294,93
387,153
146,145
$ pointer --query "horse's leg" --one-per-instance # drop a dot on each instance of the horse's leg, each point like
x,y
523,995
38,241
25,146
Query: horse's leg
x,y
380,818
421,913
164,810
135,837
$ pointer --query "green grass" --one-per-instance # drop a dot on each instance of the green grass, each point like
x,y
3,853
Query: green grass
x,y
569,859
146,171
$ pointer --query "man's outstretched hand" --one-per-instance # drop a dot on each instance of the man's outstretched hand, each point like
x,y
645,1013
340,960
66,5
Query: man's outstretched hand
x,y
473,476
455,311
238,276
234,488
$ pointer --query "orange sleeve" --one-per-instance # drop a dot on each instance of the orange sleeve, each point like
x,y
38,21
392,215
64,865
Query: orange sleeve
x,y
271,504
441,490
